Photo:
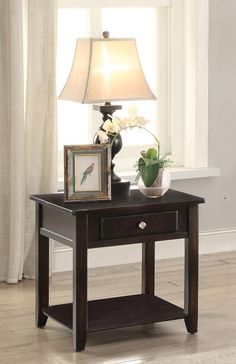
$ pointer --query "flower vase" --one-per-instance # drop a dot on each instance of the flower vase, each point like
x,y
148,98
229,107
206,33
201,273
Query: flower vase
x,y
159,187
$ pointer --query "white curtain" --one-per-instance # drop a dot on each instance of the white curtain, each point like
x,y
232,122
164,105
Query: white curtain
x,y
28,143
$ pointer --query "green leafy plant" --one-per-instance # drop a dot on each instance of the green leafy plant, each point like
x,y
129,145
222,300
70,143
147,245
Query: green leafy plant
x,y
149,165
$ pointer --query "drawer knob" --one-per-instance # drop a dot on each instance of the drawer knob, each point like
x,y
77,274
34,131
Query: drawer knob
x,y
142,225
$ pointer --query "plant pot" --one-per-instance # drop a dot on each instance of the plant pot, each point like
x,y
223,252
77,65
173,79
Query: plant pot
x,y
159,187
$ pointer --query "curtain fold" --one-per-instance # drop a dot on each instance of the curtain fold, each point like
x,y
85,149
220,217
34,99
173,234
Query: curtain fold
x,y
28,142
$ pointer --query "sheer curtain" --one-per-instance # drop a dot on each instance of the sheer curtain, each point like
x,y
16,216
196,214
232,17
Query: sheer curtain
x,y
28,144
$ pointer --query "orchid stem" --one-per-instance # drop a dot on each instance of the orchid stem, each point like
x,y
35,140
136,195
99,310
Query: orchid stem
x,y
140,127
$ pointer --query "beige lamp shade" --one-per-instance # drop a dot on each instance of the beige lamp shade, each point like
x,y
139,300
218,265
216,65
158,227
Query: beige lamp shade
x,y
106,70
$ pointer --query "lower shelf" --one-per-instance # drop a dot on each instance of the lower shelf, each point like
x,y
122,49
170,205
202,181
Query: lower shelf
x,y
119,312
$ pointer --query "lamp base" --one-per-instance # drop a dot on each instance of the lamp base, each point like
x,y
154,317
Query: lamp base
x,y
107,110
120,189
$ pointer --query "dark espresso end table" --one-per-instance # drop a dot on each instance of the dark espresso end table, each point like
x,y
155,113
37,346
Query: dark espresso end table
x,y
136,219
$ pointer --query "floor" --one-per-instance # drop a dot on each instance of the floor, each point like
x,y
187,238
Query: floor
x,y
21,342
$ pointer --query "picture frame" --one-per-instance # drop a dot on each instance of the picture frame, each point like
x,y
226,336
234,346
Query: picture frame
x,y
87,172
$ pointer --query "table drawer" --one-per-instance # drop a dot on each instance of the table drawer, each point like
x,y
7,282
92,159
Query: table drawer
x,y
139,225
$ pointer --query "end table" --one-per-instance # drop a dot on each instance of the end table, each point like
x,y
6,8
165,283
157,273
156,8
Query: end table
x,y
136,219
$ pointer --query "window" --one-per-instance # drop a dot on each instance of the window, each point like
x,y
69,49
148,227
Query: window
x,y
172,45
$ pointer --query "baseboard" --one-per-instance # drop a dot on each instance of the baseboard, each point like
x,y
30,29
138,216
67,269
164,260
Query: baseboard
x,y
209,242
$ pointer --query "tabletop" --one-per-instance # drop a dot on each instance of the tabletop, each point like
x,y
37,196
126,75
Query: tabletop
x,y
135,199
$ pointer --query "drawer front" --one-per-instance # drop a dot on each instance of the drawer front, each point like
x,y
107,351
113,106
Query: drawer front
x,y
139,225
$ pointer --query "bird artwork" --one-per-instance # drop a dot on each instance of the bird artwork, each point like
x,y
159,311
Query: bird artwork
x,y
88,171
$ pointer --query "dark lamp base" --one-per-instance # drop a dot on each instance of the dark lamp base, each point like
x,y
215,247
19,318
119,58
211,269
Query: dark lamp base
x,y
120,189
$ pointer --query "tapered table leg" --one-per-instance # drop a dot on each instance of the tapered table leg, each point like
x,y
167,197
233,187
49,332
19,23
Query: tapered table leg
x,y
42,270
148,268
80,304
191,272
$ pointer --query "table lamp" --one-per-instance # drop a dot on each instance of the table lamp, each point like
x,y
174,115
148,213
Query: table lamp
x,y
104,70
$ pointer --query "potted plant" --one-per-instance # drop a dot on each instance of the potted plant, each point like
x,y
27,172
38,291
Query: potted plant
x,y
153,178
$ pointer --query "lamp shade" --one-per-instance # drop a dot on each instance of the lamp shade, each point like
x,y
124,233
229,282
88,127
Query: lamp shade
x,y
106,70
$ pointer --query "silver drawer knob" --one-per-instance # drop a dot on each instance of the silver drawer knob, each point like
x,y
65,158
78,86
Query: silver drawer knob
x,y
142,225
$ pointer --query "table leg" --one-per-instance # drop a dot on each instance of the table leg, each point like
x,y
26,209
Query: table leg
x,y
42,270
148,268
191,272
80,303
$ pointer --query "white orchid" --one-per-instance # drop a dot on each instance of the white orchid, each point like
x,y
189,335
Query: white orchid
x,y
121,122
133,119
111,126
141,121
118,122
125,123
115,124
103,137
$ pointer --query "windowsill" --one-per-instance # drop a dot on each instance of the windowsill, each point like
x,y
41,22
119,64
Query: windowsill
x,y
177,173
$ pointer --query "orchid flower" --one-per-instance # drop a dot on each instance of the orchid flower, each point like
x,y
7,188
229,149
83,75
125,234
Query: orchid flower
x,y
103,137
111,126
114,124
141,121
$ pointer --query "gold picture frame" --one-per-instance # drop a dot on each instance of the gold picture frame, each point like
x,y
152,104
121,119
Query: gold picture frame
x,y
87,174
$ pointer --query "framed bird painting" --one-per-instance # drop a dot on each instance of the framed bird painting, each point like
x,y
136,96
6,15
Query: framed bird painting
x,y
87,172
